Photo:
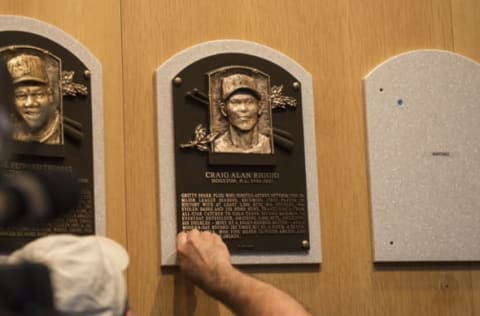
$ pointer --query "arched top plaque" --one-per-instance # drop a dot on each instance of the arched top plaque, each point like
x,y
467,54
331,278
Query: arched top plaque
x,y
423,115
51,94
236,137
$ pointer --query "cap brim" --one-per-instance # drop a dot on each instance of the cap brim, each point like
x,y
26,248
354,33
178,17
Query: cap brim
x,y
30,79
254,92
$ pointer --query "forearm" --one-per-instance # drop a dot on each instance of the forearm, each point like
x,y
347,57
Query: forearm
x,y
205,259
248,296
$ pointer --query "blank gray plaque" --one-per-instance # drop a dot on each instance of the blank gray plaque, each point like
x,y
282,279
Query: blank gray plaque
x,y
423,124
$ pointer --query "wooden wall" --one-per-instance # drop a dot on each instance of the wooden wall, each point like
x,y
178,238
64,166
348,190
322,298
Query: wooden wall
x,y
338,41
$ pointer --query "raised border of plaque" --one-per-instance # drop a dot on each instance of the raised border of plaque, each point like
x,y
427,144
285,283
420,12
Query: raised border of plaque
x,y
165,82
11,23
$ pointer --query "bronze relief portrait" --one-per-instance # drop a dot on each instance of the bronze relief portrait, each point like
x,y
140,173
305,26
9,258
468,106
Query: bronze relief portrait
x,y
34,94
240,111
240,102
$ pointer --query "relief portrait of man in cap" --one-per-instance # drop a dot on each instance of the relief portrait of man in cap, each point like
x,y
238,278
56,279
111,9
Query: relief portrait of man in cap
x,y
241,105
36,116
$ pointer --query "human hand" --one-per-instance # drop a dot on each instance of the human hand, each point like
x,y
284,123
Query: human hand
x,y
204,258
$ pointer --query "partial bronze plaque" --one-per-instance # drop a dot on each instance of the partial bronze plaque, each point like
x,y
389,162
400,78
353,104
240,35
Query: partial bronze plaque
x,y
46,96
239,152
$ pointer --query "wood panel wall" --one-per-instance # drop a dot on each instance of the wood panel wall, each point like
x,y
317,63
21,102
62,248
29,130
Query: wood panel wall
x,y
338,41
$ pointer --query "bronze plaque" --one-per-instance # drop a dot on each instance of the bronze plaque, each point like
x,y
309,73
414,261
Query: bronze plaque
x,y
239,153
236,139
45,95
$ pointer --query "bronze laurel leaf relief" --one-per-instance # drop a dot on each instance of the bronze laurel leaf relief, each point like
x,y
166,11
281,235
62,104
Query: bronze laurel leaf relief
x,y
202,139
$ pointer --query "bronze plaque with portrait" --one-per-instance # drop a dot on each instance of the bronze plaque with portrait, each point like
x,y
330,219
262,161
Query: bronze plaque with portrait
x,y
45,98
239,153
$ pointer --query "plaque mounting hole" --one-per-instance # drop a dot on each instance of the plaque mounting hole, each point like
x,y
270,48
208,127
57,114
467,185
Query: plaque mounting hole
x,y
381,89
391,242
400,102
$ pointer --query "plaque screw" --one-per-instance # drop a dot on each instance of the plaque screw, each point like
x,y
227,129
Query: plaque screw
x,y
177,81
305,244
296,85
87,73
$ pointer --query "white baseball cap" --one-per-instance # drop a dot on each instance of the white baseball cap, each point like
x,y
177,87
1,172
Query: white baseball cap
x,y
86,272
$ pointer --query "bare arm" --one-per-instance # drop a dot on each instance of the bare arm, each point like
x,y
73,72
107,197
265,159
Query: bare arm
x,y
205,260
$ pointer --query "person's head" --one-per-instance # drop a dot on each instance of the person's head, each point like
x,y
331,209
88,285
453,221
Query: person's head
x,y
86,272
241,101
33,97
